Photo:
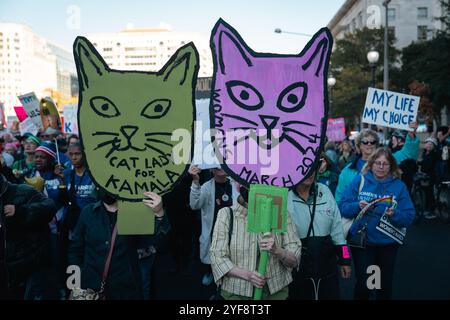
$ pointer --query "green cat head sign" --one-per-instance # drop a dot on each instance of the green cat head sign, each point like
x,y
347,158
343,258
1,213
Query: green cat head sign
x,y
126,119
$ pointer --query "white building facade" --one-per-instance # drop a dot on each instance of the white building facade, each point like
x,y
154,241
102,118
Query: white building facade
x,y
148,49
29,63
410,20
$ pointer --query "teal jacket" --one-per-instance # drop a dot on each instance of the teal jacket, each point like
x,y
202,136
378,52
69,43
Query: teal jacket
x,y
410,150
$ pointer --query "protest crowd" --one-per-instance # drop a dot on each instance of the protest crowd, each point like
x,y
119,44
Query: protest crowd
x,y
54,216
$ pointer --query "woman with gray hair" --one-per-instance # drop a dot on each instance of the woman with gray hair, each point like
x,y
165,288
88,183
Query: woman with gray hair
x,y
366,143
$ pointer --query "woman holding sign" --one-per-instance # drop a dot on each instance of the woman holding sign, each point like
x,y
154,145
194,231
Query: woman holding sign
x,y
383,209
234,255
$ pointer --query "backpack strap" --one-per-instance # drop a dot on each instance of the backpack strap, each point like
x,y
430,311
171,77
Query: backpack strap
x,y
230,228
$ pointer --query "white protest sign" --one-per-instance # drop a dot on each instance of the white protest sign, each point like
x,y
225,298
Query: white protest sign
x,y
390,109
204,156
27,125
70,119
31,106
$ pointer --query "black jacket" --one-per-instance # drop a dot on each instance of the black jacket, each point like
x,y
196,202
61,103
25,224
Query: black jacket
x,y
26,232
90,247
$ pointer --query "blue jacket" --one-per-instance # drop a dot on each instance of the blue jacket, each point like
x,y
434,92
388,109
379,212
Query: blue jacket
x,y
410,150
371,190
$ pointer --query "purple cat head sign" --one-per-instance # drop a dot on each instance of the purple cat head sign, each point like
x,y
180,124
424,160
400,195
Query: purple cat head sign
x,y
269,111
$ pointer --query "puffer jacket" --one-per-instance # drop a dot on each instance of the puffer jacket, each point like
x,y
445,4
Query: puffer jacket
x,y
26,232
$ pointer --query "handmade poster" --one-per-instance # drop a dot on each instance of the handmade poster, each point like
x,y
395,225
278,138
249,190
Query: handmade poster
x,y
204,155
31,106
49,114
126,120
336,129
21,113
269,111
27,126
3,121
390,109
70,119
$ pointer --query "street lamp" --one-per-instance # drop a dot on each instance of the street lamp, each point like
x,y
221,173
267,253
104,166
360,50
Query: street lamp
x,y
278,30
331,81
386,47
372,57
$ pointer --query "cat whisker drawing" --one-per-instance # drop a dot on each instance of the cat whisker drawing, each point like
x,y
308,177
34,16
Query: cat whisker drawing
x,y
158,133
288,123
311,138
155,149
114,145
105,133
160,141
232,116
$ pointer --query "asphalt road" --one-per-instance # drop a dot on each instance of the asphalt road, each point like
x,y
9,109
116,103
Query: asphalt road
x,y
422,270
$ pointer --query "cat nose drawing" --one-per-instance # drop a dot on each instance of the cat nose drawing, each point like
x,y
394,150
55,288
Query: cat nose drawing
x,y
269,122
128,131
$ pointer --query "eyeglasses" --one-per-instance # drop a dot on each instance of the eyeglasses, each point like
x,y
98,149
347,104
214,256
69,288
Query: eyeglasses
x,y
382,164
368,142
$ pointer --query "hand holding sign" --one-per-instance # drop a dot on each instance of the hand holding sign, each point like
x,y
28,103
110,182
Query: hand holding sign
x,y
154,202
390,109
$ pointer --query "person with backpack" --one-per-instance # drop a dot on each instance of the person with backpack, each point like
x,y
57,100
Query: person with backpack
x,y
317,221
234,255
215,194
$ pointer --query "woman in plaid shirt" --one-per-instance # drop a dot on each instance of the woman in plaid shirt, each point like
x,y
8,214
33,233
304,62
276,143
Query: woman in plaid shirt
x,y
234,261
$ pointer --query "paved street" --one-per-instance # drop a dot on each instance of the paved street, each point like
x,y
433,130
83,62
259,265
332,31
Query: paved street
x,y
421,273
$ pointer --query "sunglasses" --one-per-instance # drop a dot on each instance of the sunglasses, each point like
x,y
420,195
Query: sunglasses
x,y
368,142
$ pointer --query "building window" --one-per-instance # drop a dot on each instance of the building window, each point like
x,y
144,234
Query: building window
x,y
422,33
422,13
107,49
391,14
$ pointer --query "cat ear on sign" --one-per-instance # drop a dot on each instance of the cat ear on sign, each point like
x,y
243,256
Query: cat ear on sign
x,y
183,66
89,62
317,52
229,50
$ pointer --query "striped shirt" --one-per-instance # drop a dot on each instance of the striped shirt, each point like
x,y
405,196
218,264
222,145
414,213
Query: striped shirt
x,y
242,252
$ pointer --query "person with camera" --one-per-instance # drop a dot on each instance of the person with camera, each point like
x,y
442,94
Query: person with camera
x,y
318,224
387,210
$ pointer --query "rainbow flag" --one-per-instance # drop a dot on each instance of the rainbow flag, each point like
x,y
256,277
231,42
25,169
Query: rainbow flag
x,y
389,201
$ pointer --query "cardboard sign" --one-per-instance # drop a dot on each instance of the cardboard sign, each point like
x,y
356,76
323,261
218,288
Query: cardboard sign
x,y
204,156
269,110
390,109
275,219
70,119
3,120
27,126
21,113
31,106
49,114
336,129
127,121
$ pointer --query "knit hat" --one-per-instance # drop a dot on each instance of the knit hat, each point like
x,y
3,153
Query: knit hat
x,y
33,138
11,145
432,140
47,148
